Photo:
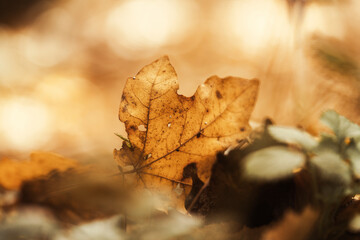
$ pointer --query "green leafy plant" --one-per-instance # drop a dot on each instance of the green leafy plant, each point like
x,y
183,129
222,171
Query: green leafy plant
x,y
332,159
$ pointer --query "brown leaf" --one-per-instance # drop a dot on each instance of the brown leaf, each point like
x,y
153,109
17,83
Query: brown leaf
x,y
169,131
75,196
14,172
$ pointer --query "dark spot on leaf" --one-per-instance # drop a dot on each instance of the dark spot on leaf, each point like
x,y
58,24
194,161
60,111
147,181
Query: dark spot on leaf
x,y
198,135
123,97
132,127
242,129
177,150
207,110
218,94
124,109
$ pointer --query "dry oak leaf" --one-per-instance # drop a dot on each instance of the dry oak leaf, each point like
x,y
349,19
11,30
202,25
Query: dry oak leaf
x,y
14,172
168,131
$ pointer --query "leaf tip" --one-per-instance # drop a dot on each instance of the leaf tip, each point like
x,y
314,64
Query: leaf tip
x,y
255,81
164,58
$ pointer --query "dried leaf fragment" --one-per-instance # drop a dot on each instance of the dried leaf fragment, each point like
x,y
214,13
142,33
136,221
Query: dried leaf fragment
x,y
76,195
168,131
13,173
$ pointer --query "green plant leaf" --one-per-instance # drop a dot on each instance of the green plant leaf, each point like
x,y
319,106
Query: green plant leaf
x,y
293,136
272,163
340,125
327,142
332,166
127,141
354,156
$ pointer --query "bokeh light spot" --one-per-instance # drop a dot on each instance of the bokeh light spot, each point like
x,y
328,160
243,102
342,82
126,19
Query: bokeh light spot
x,y
56,88
140,25
46,46
24,123
251,26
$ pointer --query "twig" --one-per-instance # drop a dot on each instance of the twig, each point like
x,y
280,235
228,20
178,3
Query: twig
x,y
197,196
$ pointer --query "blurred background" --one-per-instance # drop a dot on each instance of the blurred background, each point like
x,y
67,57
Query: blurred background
x,y
63,63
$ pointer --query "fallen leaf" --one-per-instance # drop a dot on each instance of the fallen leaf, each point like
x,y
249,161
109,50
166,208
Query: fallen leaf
x,y
14,172
168,131
76,195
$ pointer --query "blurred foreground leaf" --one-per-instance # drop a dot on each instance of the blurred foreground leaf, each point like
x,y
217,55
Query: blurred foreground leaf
x,y
292,135
14,172
354,225
340,125
273,163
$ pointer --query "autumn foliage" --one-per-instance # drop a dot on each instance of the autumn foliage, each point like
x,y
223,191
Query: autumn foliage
x,y
169,131
192,167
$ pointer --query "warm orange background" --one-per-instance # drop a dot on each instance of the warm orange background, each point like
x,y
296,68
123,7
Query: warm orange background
x,y
63,63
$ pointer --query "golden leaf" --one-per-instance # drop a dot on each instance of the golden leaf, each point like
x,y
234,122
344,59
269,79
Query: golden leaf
x,y
168,131
14,172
